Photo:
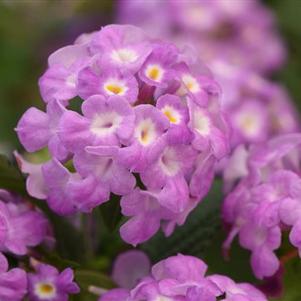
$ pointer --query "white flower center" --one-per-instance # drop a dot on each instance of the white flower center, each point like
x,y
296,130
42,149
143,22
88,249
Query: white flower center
x,y
154,72
169,162
201,123
71,81
191,83
115,87
45,290
124,55
105,123
172,114
146,132
249,123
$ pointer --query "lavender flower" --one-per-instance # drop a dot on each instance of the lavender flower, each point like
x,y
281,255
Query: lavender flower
x,y
48,284
228,38
129,267
146,114
183,278
257,108
13,283
21,228
231,31
266,201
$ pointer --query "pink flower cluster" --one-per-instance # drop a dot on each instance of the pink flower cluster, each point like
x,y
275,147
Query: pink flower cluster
x,y
233,31
182,278
150,129
266,201
228,36
257,108
23,228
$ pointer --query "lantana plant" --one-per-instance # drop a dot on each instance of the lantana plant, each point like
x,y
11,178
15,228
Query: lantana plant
x,y
135,134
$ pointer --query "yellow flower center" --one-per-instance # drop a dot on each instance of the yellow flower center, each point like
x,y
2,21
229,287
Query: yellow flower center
x,y
169,115
114,89
45,290
172,114
154,72
191,83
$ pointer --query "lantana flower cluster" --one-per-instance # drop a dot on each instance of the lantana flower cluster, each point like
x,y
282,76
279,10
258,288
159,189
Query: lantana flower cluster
x,y
257,108
150,129
180,278
228,36
265,204
233,31
22,229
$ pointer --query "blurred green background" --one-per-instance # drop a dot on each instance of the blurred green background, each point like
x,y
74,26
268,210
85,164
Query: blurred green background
x,y
31,29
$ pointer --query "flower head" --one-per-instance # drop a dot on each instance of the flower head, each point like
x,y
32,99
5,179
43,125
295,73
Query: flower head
x,y
184,278
13,283
150,128
216,28
48,284
21,228
266,201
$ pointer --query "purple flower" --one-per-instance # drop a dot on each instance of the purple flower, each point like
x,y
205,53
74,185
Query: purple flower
x,y
59,82
13,283
48,284
129,267
227,38
125,47
157,69
216,29
254,105
177,114
21,228
109,82
266,201
147,141
35,185
146,214
210,130
37,129
237,291
115,295
68,192
102,163
105,122
174,164
200,87
180,278
150,117
249,122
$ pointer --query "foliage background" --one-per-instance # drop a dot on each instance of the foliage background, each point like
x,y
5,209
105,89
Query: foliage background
x,y
30,30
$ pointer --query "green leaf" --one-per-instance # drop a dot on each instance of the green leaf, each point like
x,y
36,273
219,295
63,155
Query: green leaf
x,y
86,278
69,240
195,235
292,276
202,236
56,260
111,212
10,177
